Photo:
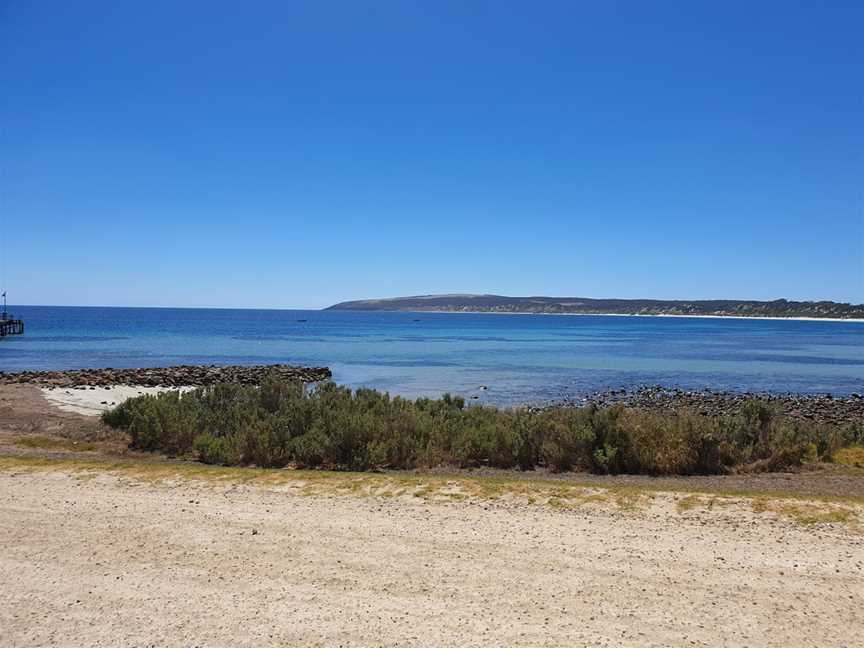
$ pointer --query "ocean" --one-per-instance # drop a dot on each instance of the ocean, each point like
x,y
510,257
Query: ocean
x,y
519,358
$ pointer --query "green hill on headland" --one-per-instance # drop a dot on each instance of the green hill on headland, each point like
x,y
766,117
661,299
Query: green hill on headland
x,y
586,306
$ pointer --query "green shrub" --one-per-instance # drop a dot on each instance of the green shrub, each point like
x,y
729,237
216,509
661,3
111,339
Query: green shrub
x,y
487,436
217,450
568,441
282,423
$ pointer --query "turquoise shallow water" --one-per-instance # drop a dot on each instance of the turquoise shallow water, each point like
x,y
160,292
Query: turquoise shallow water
x,y
521,358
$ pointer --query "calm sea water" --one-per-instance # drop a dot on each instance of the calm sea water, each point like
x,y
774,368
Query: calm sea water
x,y
521,358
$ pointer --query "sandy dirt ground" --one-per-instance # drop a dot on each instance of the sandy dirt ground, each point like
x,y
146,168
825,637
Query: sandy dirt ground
x,y
104,559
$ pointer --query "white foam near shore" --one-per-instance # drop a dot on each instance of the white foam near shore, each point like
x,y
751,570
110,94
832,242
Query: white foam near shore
x,y
92,402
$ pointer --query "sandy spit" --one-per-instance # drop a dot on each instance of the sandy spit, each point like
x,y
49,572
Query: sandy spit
x,y
109,561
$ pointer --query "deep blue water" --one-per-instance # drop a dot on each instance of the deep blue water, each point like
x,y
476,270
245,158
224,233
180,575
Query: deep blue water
x,y
522,358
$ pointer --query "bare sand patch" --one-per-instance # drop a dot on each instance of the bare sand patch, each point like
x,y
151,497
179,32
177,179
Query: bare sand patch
x,y
92,401
150,556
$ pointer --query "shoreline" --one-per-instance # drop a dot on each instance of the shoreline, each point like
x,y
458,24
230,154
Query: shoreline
x,y
165,376
664,315
814,408
92,391
847,409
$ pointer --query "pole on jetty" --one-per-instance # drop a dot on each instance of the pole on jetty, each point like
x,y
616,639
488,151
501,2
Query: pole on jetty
x,y
9,326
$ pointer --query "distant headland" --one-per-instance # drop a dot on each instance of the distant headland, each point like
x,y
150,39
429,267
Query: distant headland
x,y
779,308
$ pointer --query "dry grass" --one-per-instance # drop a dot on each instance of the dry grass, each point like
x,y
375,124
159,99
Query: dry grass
x,y
800,511
689,503
807,513
446,489
324,483
851,456
707,502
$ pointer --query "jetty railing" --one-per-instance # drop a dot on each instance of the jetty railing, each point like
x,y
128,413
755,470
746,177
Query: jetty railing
x,y
11,327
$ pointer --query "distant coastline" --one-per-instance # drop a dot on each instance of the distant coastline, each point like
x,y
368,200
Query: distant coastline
x,y
780,309
841,320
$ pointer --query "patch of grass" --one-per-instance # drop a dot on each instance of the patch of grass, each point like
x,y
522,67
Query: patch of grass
x,y
807,512
815,514
759,505
707,502
554,494
851,456
690,502
802,512
630,499
423,491
324,483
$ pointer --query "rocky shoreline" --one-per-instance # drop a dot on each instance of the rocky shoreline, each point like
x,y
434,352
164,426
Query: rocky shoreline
x,y
176,376
818,408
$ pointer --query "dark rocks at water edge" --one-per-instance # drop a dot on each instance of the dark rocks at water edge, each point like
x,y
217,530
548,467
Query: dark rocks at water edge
x,y
182,375
816,408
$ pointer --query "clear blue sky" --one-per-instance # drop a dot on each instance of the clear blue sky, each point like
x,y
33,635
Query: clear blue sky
x,y
294,154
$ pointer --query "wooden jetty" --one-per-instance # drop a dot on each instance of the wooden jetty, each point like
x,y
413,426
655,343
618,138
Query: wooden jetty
x,y
11,327
8,324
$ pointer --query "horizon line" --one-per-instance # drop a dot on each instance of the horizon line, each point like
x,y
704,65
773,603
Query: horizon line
x,y
322,308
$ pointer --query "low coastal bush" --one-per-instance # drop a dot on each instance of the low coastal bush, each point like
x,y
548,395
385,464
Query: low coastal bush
x,y
282,423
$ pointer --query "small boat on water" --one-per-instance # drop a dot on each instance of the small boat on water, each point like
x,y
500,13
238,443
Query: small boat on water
x,y
8,324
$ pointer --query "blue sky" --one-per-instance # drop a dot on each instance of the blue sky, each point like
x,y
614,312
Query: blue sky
x,y
277,154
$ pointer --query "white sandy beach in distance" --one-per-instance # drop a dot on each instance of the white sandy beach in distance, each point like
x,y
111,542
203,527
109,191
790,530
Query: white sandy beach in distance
x,y
850,320
84,400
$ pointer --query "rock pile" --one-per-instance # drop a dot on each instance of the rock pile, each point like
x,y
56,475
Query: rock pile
x,y
818,408
182,375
